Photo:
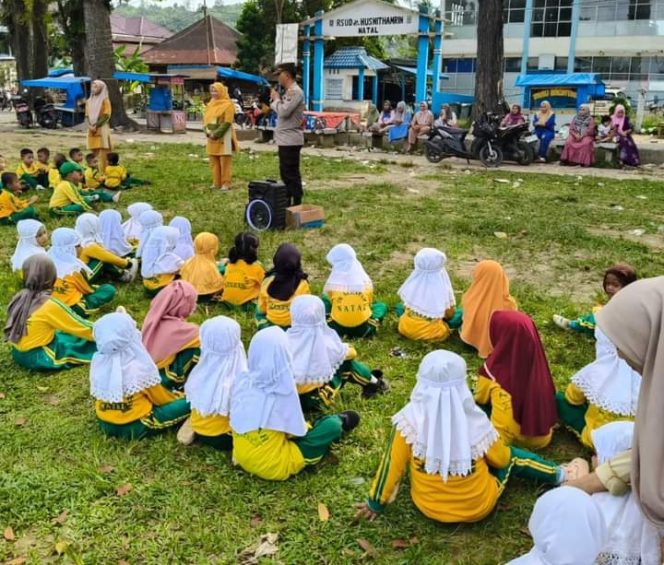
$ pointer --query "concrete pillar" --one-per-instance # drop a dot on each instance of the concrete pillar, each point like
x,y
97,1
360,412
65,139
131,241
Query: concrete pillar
x,y
319,55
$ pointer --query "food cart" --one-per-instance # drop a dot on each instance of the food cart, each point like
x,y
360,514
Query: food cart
x,y
71,110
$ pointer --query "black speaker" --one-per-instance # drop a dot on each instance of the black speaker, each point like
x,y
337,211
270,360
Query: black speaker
x,y
267,205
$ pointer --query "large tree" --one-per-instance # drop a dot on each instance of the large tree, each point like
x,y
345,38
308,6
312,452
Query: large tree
x,y
27,21
490,57
71,38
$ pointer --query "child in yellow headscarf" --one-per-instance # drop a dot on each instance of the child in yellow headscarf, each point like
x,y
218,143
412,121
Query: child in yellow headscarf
x,y
202,270
221,141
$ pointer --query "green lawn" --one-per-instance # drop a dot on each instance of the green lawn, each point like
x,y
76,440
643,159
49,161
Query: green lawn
x,y
189,505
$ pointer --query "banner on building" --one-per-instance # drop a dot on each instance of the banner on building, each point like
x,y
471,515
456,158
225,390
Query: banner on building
x,y
285,45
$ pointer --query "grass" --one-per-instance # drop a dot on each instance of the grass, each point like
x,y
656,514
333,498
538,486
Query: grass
x,y
189,505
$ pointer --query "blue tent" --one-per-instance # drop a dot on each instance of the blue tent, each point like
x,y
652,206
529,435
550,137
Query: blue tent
x,y
232,74
563,91
74,86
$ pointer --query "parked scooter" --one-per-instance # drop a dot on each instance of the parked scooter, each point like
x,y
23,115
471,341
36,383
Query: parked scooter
x,y
516,142
47,115
23,112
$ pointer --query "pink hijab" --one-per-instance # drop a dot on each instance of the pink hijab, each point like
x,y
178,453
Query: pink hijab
x,y
165,331
618,118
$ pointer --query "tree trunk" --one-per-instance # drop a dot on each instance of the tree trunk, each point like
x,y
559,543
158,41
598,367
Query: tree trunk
x,y
39,38
490,57
101,63
78,59
19,31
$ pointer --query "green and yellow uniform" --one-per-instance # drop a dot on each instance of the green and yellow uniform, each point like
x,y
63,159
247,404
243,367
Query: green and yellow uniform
x,y
100,260
32,175
214,430
585,324
354,314
175,369
13,209
242,282
94,178
154,284
54,177
67,200
275,312
420,328
82,297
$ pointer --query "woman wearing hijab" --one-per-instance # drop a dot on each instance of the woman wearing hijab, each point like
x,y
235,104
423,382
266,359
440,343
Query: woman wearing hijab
x,y
458,464
72,285
428,299
567,527
385,119
284,282
544,123
132,227
98,116
322,363
270,435
210,384
580,145
516,384
32,240
514,118
185,246
159,264
622,127
489,291
149,221
349,298
44,333
202,271
112,235
221,141
130,402
421,124
447,118
172,342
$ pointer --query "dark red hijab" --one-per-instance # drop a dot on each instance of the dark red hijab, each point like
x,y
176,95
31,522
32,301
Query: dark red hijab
x,y
518,364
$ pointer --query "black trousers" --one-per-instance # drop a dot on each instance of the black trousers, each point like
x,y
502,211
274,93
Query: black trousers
x,y
289,170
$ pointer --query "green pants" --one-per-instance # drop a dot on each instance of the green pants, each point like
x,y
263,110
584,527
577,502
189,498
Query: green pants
x,y
527,465
64,352
161,418
28,213
100,269
132,181
175,375
366,329
223,442
325,395
102,295
103,195
573,417
32,182
584,325
315,445
71,209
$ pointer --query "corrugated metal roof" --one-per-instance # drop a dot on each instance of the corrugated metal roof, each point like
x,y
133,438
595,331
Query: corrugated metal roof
x,y
353,58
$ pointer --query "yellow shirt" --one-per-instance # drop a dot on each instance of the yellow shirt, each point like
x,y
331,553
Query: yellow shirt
x,y
42,167
54,177
267,454
93,178
101,139
351,309
136,406
242,282
159,281
115,176
9,204
193,344
460,499
23,169
100,253
71,289
416,327
278,311
502,415
51,316
332,392
65,194
209,426
596,417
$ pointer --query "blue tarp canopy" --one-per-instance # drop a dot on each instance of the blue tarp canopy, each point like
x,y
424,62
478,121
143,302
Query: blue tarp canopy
x,y
563,91
134,77
225,72
60,72
75,87
551,79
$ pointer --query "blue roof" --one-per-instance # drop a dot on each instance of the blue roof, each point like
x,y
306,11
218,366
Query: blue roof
x,y
353,58
574,79
64,82
413,71
225,72
60,72
134,77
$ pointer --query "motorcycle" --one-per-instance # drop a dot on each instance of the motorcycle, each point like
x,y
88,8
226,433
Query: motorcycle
x,y
47,116
516,142
23,112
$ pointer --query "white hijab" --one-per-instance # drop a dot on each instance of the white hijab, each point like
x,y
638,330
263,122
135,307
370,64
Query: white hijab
x,y
428,290
442,423
567,529
632,539
609,382
159,256
132,227
210,383
63,253
317,350
122,366
347,273
149,220
185,247
87,228
112,235
27,245
265,396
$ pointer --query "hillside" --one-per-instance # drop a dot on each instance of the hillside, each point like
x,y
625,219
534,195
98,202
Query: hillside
x,y
178,17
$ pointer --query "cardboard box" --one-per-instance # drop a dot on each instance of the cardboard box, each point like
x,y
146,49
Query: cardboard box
x,y
305,216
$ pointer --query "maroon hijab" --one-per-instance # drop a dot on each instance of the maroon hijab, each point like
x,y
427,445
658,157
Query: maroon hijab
x,y
518,364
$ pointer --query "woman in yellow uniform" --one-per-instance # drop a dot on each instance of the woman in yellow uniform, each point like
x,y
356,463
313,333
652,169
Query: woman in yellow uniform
x,y
515,383
221,141
210,383
160,266
130,402
44,333
73,287
270,436
428,311
348,296
322,363
284,282
172,342
244,274
458,464
202,270
98,115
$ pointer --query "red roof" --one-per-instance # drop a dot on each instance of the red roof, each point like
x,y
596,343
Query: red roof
x,y
141,29
206,42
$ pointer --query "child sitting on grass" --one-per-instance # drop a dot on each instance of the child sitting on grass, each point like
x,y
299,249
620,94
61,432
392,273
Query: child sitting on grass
x,y
185,246
202,271
159,263
244,274
130,402
29,173
67,199
270,436
76,156
428,298
12,208
348,296
322,363
284,282
117,176
54,176
94,178
615,278
132,227
32,240
43,164
44,333
149,221
112,235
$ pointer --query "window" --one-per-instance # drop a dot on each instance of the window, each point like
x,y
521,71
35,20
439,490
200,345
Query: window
x,y
583,64
334,88
512,64
552,18
639,10
602,65
620,68
561,63
515,11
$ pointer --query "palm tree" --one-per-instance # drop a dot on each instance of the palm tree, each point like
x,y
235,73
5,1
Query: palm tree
x,y
490,57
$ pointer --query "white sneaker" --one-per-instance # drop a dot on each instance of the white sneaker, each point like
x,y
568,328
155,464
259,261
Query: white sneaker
x,y
133,270
40,187
121,310
561,321
186,434
116,196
